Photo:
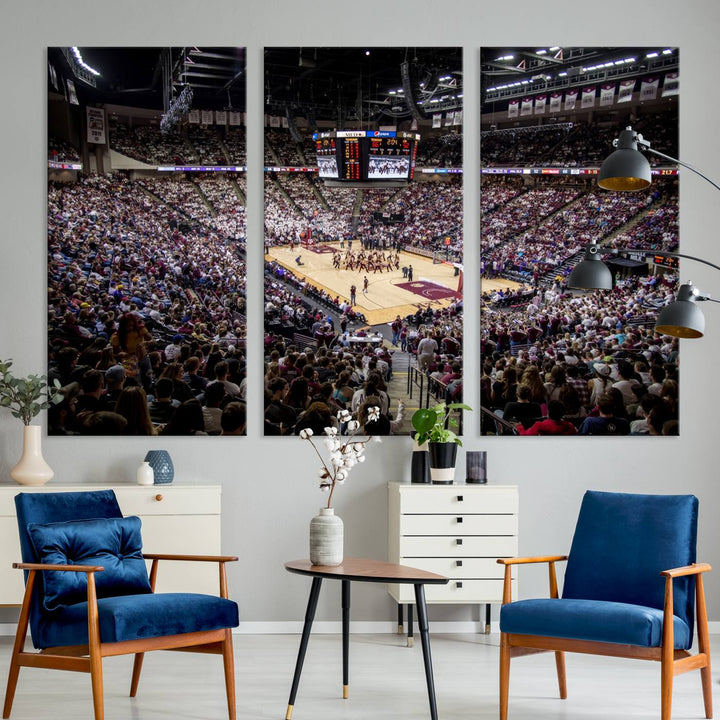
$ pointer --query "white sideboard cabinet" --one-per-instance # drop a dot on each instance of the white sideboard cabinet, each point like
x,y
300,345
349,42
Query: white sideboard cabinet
x,y
176,518
457,530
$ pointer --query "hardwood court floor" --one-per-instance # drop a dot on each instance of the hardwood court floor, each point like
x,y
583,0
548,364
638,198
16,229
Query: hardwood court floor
x,y
387,682
384,300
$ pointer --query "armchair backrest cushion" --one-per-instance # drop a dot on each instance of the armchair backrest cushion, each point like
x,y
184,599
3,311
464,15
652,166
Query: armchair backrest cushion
x,y
113,543
48,507
624,541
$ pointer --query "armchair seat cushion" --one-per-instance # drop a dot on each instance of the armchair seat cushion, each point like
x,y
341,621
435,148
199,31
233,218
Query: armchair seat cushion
x,y
133,617
601,621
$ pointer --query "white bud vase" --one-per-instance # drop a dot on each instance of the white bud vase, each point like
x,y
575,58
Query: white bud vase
x,y
326,538
145,474
32,468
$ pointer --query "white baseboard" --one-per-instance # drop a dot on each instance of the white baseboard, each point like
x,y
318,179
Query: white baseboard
x,y
292,627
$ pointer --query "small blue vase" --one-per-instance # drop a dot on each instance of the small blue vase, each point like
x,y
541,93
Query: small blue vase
x,y
162,466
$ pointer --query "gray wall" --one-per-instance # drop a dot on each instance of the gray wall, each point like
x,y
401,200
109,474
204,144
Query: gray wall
x,y
269,484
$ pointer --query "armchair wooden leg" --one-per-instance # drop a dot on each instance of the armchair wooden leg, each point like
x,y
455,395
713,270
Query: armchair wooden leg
x,y
19,645
562,682
96,677
229,665
96,670
137,667
504,675
704,645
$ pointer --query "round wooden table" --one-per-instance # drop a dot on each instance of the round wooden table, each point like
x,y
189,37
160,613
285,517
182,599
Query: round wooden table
x,y
363,570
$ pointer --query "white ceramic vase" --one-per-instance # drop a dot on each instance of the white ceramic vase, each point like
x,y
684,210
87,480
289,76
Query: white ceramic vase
x,y
145,474
326,538
32,468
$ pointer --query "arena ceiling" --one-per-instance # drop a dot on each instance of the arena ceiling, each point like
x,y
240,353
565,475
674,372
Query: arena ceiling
x,y
150,77
368,83
511,72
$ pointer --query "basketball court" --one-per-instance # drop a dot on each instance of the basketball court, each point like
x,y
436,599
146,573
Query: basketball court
x,y
389,293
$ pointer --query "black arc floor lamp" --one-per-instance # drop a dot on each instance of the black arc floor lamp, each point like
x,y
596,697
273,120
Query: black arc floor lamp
x,y
627,169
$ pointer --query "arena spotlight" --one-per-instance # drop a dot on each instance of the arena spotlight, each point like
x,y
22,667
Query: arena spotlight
x,y
681,318
627,169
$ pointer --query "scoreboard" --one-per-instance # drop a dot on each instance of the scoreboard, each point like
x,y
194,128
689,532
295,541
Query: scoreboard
x,y
360,155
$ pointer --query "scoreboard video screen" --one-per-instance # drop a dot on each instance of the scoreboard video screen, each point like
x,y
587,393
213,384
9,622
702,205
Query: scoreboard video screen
x,y
366,155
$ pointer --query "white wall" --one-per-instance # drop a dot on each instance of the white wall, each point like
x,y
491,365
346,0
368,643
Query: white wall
x,y
269,484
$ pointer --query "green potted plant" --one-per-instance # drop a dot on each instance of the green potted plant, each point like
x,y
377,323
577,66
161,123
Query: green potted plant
x,y
26,398
433,426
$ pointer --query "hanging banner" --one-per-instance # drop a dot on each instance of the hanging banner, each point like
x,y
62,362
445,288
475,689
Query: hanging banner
x,y
513,108
649,88
71,94
414,124
194,117
457,119
555,102
95,125
570,98
437,120
526,106
234,118
540,101
671,84
588,97
448,119
221,117
206,117
626,91
607,94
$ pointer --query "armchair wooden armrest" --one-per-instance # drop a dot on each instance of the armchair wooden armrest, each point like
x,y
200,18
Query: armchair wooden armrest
x,y
68,568
509,562
221,559
528,560
694,569
193,558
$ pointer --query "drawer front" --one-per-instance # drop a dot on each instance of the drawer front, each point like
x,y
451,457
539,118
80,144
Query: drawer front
x,y
456,591
164,500
458,546
458,499
459,568
459,525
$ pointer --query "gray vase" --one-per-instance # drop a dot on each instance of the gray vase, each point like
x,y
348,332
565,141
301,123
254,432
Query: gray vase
x,y
326,538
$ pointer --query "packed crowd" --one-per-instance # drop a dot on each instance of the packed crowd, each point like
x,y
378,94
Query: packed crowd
x,y
183,145
127,279
578,145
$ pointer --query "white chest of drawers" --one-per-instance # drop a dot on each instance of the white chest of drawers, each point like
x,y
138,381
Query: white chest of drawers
x,y
456,530
180,519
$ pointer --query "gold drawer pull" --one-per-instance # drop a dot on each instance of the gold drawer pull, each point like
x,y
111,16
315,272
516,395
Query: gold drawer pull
x,y
458,541
459,519
459,563
459,498
158,497
458,585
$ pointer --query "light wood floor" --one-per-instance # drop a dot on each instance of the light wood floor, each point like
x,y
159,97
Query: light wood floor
x,y
386,683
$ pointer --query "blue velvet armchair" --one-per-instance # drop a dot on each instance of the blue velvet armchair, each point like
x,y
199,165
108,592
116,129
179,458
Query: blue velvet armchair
x,y
632,589
88,594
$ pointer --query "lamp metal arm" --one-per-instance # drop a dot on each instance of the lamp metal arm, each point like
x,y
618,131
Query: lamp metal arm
x,y
593,248
647,148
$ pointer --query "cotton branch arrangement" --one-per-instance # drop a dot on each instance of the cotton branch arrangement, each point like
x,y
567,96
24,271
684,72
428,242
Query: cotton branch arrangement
x,y
345,451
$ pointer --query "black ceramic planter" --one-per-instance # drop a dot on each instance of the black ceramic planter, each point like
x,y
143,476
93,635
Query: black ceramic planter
x,y
442,462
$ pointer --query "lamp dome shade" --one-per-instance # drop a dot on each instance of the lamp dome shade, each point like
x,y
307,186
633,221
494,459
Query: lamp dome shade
x,y
591,274
682,318
626,169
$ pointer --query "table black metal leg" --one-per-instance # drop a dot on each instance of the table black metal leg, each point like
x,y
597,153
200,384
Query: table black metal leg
x,y
346,634
309,615
410,637
400,629
425,640
487,618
